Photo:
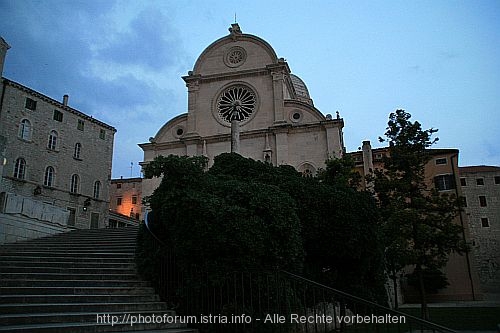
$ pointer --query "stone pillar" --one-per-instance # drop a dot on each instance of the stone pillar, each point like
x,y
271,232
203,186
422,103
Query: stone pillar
x,y
281,146
193,85
3,146
368,163
3,52
235,136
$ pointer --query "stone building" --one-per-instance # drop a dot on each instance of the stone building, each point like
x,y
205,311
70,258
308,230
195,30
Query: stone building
x,y
126,197
57,164
481,190
239,82
441,172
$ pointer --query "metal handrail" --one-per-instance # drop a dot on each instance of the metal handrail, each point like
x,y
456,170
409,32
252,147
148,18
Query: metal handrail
x,y
281,290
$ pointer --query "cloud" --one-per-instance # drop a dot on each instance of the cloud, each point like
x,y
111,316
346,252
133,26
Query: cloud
x,y
151,41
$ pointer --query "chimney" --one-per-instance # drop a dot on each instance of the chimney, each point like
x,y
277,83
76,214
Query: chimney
x,y
65,100
3,52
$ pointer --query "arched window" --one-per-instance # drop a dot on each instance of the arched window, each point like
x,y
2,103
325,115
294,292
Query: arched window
x,y
75,183
52,140
78,150
25,129
20,168
97,189
48,179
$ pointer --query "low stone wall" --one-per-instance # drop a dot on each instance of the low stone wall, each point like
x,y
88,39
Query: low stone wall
x,y
23,218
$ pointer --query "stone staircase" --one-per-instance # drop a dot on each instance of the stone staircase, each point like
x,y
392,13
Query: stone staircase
x,y
79,281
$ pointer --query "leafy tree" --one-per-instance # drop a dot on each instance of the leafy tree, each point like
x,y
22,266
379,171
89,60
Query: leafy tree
x,y
418,221
243,214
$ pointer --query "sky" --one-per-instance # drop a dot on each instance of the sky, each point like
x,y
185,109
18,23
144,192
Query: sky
x,y
122,62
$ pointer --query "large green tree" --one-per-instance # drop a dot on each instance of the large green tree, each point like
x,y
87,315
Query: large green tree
x,y
242,214
418,221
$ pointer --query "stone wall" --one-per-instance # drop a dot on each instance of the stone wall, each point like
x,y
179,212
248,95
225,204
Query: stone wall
x,y
23,218
484,223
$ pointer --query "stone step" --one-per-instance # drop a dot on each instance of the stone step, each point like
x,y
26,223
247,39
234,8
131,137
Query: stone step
x,y
92,327
73,317
56,258
73,246
66,264
72,283
64,276
56,290
70,253
68,270
82,307
39,299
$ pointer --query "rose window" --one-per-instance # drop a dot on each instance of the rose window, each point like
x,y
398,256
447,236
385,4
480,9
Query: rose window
x,y
236,102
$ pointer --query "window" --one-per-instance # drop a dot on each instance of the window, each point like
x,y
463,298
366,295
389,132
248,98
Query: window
x,y
482,201
444,182
480,181
497,180
25,130
48,179
52,140
119,201
20,168
80,125
97,189
119,185
463,182
75,180
78,150
484,222
58,115
102,134
30,104
134,200
441,161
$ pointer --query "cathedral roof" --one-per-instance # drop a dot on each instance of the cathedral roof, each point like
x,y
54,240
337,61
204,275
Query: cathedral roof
x,y
300,87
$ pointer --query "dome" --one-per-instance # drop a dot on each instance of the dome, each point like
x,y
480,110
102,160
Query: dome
x,y
300,89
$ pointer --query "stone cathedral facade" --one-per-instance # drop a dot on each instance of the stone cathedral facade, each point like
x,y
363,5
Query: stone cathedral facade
x,y
240,77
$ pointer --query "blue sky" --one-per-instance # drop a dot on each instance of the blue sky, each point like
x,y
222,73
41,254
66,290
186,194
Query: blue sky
x,y
122,62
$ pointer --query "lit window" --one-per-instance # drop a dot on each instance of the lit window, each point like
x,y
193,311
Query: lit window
x,y
80,125
48,179
441,161
75,182
52,140
20,168
25,130
30,104
480,181
58,115
444,182
482,201
485,222
78,150
97,189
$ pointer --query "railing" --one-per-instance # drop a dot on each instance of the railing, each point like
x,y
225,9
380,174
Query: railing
x,y
278,301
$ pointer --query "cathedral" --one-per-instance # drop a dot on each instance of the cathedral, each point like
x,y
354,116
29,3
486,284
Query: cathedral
x,y
243,98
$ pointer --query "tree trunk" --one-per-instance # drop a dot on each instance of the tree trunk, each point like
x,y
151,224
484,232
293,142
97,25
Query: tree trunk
x,y
424,311
395,283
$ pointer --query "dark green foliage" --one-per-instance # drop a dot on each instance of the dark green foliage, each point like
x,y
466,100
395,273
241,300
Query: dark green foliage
x,y
434,280
418,226
243,214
